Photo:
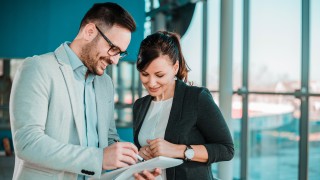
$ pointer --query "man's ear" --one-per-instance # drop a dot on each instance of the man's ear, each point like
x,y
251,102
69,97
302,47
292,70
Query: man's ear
x,y
89,31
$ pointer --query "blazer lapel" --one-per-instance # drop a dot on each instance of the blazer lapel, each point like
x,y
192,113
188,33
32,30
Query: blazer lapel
x,y
67,72
141,114
171,133
104,115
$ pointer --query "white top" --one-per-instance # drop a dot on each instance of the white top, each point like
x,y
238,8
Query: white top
x,y
155,124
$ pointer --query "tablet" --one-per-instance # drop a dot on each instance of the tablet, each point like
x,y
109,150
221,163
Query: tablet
x,y
126,173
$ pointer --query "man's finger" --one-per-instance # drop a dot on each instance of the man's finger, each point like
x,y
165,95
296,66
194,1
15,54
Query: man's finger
x,y
128,145
129,153
128,160
120,165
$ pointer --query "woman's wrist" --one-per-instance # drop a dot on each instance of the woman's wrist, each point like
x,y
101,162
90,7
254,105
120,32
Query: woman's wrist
x,y
180,151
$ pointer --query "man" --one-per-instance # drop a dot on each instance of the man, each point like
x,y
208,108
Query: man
x,y
62,108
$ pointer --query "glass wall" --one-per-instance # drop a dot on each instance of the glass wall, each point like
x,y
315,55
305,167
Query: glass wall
x,y
191,44
237,130
314,138
213,44
7,72
275,45
126,83
237,44
274,137
314,84
314,87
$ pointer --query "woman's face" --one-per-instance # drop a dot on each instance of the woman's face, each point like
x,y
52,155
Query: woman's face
x,y
158,77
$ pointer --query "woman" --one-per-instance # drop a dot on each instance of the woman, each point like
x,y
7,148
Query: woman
x,y
177,120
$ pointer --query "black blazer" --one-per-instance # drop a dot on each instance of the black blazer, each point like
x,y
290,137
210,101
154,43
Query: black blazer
x,y
194,119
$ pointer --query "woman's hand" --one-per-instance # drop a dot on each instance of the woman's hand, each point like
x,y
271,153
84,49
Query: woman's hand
x,y
161,147
145,152
147,175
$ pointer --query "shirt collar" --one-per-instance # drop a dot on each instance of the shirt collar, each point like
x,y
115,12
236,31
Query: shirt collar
x,y
74,59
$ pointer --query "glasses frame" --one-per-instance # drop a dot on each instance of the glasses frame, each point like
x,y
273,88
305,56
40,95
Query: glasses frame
x,y
122,54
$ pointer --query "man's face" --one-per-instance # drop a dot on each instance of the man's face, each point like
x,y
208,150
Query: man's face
x,y
95,54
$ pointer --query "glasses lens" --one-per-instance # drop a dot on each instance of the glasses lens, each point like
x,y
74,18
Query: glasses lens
x,y
114,51
123,54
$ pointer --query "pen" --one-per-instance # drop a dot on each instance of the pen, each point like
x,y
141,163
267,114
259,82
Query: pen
x,y
140,158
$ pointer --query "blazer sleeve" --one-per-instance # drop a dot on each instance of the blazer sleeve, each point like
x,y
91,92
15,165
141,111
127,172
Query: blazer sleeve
x,y
213,127
28,113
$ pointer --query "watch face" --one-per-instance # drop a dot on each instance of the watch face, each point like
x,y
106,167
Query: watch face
x,y
189,153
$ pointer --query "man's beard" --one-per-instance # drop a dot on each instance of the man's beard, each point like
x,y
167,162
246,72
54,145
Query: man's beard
x,y
90,59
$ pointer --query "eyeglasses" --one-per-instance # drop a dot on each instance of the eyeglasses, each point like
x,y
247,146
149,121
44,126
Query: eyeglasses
x,y
114,50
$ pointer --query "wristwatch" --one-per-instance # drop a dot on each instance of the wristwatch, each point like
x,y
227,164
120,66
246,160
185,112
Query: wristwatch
x,y
188,153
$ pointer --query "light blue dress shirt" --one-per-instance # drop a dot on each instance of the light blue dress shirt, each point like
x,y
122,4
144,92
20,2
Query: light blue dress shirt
x,y
85,87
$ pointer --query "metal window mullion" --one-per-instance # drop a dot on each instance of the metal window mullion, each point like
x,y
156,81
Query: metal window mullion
x,y
245,139
204,42
304,118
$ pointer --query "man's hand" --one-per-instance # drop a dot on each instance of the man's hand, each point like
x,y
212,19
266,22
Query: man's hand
x,y
147,175
120,154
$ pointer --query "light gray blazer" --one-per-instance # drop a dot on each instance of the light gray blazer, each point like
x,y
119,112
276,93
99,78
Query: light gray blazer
x,y
46,121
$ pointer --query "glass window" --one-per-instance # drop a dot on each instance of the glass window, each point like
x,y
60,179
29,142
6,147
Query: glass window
x,y
237,46
7,70
275,45
314,138
274,137
236,126
1,67
191,44
314,46
213,44
125,78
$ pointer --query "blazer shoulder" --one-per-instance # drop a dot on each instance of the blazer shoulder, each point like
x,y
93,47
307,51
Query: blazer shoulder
x,y
42,63
41,59
141,100
45,62
196,91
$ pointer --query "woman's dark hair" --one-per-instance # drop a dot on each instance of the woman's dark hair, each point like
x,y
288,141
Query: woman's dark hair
x,y
162,43
108,14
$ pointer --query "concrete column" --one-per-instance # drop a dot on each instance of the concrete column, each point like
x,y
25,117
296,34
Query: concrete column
x,y
225,170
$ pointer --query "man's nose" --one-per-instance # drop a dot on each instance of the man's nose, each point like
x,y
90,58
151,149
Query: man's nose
x,y
115,59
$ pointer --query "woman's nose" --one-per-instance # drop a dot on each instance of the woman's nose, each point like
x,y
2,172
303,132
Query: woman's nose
x,y
152,82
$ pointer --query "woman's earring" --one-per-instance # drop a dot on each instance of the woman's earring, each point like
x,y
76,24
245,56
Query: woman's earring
x,y
175,78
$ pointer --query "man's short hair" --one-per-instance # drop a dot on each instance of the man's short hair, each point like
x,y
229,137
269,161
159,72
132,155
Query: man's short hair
x,y
109,14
